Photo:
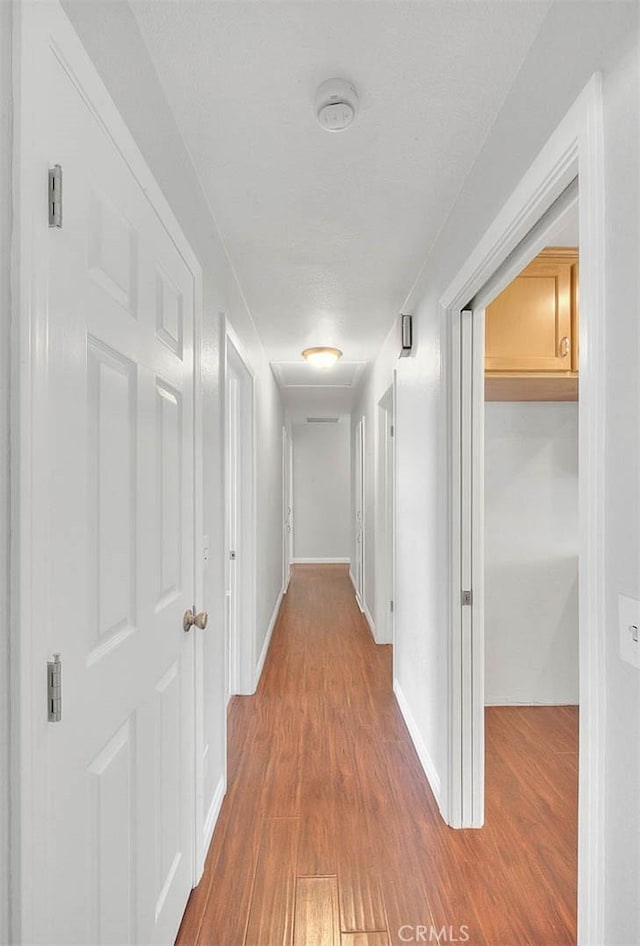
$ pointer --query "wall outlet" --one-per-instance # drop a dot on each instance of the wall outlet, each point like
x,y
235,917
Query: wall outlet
x,y
629,618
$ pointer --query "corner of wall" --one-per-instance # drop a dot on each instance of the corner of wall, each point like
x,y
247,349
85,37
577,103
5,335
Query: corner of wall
x,y
426,761
267,639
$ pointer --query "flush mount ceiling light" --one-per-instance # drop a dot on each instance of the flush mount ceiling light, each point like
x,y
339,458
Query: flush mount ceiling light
x,y
336,104
321,357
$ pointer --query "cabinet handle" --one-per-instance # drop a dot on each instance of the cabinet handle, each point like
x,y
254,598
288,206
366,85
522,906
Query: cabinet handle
x,y
565,346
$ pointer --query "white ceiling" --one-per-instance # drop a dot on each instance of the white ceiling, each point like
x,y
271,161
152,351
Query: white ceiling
x,y
294,374
328,231
310,392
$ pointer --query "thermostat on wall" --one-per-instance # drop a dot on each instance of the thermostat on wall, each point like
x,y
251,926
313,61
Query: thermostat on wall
x,y
406,335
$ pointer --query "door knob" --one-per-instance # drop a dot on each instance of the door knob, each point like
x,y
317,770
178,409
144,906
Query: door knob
x,y
190,619
201,620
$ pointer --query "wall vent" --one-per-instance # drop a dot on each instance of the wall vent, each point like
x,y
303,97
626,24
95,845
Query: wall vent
x,y
322,420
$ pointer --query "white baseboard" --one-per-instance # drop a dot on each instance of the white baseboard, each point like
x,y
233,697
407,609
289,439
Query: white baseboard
x,y
508,702
212,816
320,561
355,590
372,624
267,640
425,759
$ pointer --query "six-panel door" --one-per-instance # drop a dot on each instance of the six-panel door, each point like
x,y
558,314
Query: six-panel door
x,y
117,404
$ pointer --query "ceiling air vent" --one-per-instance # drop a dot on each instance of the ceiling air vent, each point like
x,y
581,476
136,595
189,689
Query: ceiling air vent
x,y
322,420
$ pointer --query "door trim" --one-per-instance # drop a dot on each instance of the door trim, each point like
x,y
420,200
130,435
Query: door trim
x,y
385,523
359,483
35,29
575,149
287,509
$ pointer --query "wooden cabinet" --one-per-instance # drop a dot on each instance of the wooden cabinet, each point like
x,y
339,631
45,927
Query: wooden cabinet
x,y
532,326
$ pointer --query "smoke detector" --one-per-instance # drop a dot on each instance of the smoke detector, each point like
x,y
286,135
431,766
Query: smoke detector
x,y
336,104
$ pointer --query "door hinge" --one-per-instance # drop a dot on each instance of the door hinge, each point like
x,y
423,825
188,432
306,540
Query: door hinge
x,y
393,431
54,689
55,196
391,605
467,597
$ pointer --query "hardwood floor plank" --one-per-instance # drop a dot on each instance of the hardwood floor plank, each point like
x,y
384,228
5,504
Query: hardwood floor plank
x,y
326,791
317,847
272,903
317,912
377,938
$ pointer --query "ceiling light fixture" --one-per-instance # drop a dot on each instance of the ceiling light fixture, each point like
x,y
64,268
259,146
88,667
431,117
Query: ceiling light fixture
x,y
321,357
336,104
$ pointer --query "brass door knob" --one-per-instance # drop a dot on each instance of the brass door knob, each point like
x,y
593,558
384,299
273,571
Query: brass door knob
x,y
190,619
201,620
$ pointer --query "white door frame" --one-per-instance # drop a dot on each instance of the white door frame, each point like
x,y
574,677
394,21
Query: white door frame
x,y
244,646
575,149
385,517
287,509
33,25
359,530
6,15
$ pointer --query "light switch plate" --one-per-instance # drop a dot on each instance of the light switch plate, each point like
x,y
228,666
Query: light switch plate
x,y
629,618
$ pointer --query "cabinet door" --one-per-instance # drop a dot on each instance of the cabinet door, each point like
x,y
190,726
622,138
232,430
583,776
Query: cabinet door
x,y
529,325
575,315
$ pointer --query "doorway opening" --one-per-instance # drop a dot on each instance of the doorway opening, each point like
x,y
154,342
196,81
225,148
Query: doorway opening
x,y
516,236
240,521
529,453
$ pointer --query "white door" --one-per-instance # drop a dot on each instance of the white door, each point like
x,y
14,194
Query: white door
x,y
472,565
240,523
287,511
359,512
113,549
233,503
386,520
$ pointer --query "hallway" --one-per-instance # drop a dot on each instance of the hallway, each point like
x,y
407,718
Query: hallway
x,y
329,833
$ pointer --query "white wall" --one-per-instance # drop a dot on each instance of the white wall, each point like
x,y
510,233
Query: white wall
x,y
622,472
111,36
531,552
321,491
5,303
575,41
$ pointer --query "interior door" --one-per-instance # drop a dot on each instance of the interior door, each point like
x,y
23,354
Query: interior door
x,y
472,564
233,502
386,501
240,503
114,559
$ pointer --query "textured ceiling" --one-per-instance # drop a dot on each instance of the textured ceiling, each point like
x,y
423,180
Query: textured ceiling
x,y
296,373
328,231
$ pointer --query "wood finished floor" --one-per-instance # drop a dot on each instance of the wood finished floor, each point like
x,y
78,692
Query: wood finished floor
x,y
329,834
